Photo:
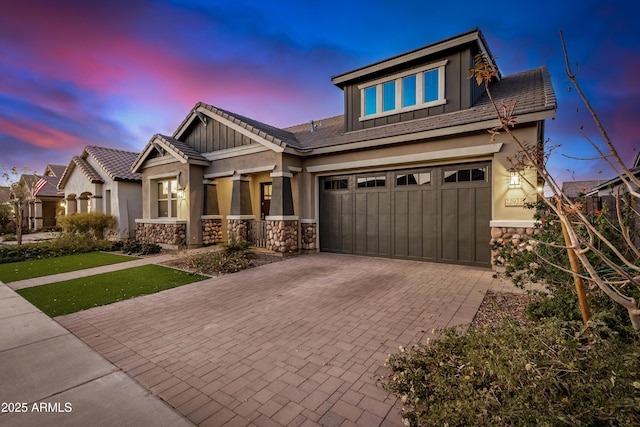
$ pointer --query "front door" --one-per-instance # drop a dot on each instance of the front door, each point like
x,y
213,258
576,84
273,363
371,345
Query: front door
x,y
265,199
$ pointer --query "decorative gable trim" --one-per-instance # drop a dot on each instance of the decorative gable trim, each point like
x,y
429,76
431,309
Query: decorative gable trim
x,y
259,137
235,152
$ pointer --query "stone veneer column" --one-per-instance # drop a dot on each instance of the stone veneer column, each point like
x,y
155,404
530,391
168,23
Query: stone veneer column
x,y
211,229
518,236
282,235
308,230
241,213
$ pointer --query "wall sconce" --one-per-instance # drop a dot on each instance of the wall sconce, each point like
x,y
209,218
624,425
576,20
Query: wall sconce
x,y
181,194
540,186
514,179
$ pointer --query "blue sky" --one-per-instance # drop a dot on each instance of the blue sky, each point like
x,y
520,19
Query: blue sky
x,y
113,73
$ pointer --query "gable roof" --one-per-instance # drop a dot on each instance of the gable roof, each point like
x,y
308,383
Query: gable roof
x,y
181,151
473,36
115,163
55,170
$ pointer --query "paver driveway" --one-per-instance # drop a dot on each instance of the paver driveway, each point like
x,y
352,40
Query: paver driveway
x,y
290,343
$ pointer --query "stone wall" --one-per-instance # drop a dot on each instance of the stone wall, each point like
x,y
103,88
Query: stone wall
x,y
238,228
211,231
308,239
282,236
519,237
168,234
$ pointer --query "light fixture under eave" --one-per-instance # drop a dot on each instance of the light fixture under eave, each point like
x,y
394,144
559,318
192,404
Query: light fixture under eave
x,y
514,179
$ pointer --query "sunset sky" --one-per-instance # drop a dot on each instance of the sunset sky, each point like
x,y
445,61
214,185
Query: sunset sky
x,y
113,73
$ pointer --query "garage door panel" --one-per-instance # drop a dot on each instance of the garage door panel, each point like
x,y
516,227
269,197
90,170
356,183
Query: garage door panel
x,y
483,231
448,235
401,224
429,226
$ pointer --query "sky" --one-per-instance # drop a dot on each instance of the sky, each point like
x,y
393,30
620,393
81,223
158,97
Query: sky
x,y
114,73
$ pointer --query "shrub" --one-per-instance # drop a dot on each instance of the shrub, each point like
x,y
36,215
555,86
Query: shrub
x,y
545,374
65,244
94,224
234,245
534,264
219,261
136,247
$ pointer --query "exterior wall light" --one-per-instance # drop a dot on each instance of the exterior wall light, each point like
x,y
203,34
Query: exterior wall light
x,y
514,179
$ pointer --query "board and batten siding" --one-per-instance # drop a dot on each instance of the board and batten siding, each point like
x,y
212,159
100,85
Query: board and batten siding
x,y
459,94
213,137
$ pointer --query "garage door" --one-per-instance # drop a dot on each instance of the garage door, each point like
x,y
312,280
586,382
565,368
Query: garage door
x,y
438,214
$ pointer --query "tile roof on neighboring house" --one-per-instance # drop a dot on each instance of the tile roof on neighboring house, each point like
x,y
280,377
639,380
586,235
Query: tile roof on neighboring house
x,y
573,188
115,163
55,170
50,189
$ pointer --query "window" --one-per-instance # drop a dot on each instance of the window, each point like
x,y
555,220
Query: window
x,y
336,184
411,90
465,175
415,178
389,96
370,100
167,198
372,181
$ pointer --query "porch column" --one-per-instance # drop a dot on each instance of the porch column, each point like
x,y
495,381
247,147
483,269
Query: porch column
x,y
70,206
83,204
241,213
38,222
211,218
281,197
282,224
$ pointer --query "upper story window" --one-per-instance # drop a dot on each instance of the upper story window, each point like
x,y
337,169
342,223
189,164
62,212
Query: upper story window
x,y
411,90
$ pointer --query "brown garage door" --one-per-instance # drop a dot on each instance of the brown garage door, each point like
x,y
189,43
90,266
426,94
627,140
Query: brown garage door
x,y
436,214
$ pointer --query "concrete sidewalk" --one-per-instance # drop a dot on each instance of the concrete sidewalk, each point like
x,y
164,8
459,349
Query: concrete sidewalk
x,y
50,377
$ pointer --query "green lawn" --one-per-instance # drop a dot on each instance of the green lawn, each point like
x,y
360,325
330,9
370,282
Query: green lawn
x,y
13,271
74,295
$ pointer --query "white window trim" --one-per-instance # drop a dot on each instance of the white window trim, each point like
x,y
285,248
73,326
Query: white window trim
x,y
169,199
420,104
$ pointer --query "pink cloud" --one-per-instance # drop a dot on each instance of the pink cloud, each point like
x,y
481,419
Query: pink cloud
x,y
39,135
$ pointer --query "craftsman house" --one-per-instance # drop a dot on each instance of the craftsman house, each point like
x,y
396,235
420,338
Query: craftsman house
x,y
100,180
408,170
43,205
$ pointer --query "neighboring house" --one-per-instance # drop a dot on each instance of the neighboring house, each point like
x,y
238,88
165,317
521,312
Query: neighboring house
x,y
100,180
606,194
407,171
43,204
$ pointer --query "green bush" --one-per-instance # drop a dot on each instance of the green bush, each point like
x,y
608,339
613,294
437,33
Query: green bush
x,y
234,245
65,244
94,224
530,264
548,374
136,247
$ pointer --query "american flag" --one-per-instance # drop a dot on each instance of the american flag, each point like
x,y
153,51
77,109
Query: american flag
x,y
36,188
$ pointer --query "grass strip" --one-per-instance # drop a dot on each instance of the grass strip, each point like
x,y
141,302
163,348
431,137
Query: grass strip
x,y
66,297
14,271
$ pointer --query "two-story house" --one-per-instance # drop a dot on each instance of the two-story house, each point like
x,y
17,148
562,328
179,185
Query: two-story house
x,y
407,171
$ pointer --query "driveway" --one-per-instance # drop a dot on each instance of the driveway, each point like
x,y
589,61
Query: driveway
x,y
290,343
